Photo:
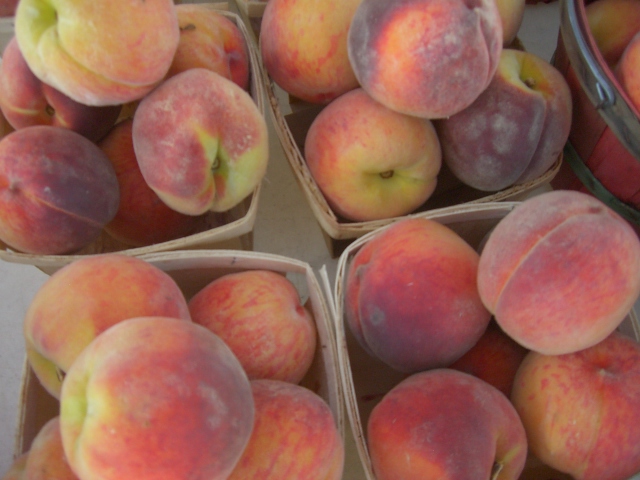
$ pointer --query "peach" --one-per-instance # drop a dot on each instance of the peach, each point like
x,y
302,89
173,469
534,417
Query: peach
x,y
83,299
210,40
155,397
303,45
294,436
369,161
16,469
612,23
512,15
47,460
444,423
57,190
26,101
201,142
515,130
142,218
411,297
627,71
495,358
259,315
98,53
428,58
580,410
560,272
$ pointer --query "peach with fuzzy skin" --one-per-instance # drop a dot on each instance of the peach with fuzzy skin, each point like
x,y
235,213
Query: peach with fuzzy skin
x,y
580,410
172,390
26,101
411,296
515,130
303,45
98,53
428,58
16,469
612,23
201,142
294,436
444,423
369,161
47,459
560,272
210,40
627,71
259,315
142,218
57,190
495,358
86,297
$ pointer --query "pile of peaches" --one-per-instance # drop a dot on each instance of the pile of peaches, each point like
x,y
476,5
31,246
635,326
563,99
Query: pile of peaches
x,y
152,384
130,117
408,86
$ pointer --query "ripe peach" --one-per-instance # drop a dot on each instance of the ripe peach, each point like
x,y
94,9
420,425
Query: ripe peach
x,y
16,469
560,272
512,15
369,161
84,298
26,101
201,142
627,71
612,23
210,40
580,410
411,296
428,58
57,190
303,44
516,128
259,315
155,397
46,459
495,358
443,423
142,218
294,436
98,53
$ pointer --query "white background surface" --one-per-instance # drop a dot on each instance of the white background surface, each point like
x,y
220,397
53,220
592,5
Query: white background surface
x,y
285,225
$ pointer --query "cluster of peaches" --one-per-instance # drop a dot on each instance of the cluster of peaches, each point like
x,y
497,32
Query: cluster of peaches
x,y
409,86
506,352
154,384
133,118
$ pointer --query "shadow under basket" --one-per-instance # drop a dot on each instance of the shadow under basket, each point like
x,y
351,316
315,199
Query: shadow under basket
x,y
192,270
365,380
602,156
232,229
292,127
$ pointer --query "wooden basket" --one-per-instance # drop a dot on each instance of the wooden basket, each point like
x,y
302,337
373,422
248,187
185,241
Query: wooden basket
x,y
365,380
292,119
228,230
192,270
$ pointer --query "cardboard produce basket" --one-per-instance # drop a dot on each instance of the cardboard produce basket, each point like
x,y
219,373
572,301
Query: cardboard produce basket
x,y
232,229
292,119
192,270
365,380
602,156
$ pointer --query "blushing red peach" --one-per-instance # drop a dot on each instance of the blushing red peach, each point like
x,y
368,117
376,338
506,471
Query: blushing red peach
x,y
294,436
172,390
26,101
210,40
57,190
142,218
427,58
411,296
580,410
443,423
560,272
86,297
46,459
303,44
259,315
